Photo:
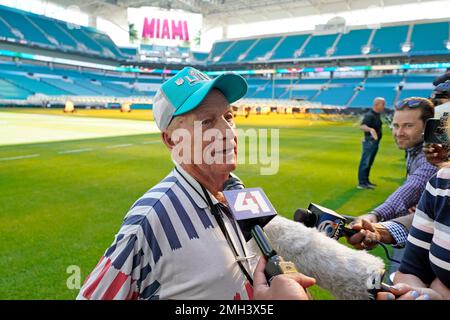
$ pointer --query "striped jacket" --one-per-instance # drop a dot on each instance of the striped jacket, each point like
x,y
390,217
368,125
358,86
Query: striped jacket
x,y
427,254
170,247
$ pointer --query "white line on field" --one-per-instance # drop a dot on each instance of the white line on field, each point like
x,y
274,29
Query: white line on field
x,y
75,150
119,146
20,157
150,142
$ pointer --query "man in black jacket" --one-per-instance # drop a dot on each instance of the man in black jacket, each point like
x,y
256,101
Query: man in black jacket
x,y
371,125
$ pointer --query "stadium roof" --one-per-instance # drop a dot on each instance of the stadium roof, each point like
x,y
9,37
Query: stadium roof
x,y
240,11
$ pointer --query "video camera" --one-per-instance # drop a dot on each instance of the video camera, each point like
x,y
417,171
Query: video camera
x,y
436,128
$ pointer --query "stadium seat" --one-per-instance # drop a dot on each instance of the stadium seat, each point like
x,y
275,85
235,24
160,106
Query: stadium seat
x,y
235,51
388,40
10,91
218,49
261,48
352,43
23,24
318,46
430,38
288,47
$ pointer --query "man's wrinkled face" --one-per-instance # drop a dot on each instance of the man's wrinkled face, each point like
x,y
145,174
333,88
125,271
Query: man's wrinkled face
x,y
208,134
407,128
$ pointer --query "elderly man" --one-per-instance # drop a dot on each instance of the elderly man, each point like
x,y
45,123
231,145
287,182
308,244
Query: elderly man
x,y
371,126
170,245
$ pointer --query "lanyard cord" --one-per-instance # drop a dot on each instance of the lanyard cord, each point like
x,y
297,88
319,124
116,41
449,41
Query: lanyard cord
x,y
220,222
216,213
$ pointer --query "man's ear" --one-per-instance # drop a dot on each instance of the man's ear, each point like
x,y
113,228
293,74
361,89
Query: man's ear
x,y
166,138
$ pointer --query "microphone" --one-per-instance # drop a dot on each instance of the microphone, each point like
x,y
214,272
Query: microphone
x,y
346,273
325,220
252,211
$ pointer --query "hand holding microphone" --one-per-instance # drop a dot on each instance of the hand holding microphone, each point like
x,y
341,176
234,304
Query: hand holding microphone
x,y
368,235
283,287
252,210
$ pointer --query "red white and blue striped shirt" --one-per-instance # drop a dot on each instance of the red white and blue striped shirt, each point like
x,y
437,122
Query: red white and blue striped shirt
x,y
170,247
427,253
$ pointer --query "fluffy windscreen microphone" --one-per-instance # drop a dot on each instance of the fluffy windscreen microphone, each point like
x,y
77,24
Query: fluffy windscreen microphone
x,y
347,273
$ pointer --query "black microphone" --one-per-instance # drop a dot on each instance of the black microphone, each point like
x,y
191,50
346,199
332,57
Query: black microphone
x,y
325,220
252,211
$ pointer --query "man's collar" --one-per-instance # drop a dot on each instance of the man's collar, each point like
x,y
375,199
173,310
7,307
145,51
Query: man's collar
x,y
413,151
193,187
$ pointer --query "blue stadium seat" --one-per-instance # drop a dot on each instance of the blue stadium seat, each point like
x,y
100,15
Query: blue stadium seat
x,y
23,24
388,40
11,91
289,46
351,43
428,38
108,46
5,31
264,46
71,87
218,49
32,85
407,93
236,50
365,97
53,29
337,96
80,35
303,94
200,56
318,45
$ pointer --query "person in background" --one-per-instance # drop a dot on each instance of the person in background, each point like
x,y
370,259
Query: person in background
x,y
371,125
407,127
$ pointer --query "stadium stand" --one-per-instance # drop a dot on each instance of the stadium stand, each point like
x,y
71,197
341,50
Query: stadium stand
x,y
430,38
389,40
22,27
261,48
426,39
318,46
352,43
236,51
20,80
288,47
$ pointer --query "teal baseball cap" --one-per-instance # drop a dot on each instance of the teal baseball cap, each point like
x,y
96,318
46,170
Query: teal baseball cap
x,y
187,89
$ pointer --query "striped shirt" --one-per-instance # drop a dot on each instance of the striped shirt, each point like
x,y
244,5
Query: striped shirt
x,y
170,247
427,253
419,171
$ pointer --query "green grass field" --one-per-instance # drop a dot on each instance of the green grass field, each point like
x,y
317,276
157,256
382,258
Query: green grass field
x,y
61,202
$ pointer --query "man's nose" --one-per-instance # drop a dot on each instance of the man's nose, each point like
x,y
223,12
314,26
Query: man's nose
x,y
226,128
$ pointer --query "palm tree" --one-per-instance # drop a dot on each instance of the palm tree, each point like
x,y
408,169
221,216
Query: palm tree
x,y
132,33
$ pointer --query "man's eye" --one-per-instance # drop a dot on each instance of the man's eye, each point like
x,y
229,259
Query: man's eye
x,y
229,117
206,122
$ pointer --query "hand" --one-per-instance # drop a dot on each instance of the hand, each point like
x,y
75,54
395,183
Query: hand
x,y
374,134
369,217
367,237
403,291
435,153
412,209
289,286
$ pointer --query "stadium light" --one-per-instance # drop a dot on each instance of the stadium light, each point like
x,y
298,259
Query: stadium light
x,y
406,47
447,45
365,49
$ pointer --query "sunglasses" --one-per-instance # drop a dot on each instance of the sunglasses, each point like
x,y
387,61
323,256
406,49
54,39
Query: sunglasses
x,y
412,104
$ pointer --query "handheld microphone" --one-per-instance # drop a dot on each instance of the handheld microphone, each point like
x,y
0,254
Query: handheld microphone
x,y
323,258
252,211
325,220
